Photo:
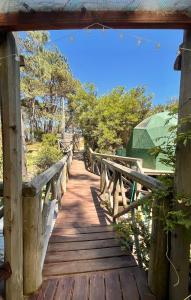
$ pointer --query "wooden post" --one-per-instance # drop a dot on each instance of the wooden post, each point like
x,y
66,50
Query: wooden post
x,y
12,166
53,189
116,194
64,179
158,275
24,163
180,241
102,176
32,236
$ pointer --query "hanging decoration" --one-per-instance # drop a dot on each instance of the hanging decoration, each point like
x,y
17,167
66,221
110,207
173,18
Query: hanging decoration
x,y
139,40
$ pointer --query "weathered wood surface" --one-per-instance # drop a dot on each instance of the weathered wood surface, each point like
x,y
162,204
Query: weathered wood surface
x,y
158,275
181,237
40,199
47,20
12,167
84,259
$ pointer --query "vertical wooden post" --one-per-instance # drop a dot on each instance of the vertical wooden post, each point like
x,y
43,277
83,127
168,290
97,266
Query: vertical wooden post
x,y
24,164
116,194
158,275
180,241
33,244
12,166
64,178
102,176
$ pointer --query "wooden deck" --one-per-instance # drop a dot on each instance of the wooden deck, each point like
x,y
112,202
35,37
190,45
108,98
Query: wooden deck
x,y
84,259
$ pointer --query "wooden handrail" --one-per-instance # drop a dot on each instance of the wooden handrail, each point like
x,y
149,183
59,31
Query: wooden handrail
x,y
40,198
36,184
41,180
145,180
37,217
137,161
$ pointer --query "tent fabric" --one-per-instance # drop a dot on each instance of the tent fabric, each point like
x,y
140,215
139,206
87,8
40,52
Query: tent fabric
x,y
7,6
153,131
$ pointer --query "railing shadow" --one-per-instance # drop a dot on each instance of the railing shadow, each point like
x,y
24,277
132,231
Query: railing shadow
x,y
97,201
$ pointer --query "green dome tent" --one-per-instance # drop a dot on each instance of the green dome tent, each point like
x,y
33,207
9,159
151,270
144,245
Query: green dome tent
x,y
152,132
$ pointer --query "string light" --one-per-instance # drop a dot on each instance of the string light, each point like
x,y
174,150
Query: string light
x,y
88,29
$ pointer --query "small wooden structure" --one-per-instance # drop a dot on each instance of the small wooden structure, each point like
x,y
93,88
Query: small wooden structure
x,y
15,209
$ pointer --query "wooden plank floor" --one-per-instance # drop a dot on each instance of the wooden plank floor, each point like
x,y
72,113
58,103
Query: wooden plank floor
x,y
84,259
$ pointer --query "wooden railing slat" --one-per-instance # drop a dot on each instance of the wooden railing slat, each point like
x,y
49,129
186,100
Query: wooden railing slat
x,y
143,179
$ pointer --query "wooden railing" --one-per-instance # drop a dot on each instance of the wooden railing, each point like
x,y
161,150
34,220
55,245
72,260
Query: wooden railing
x,y
40,199
123,184
124,187
93,161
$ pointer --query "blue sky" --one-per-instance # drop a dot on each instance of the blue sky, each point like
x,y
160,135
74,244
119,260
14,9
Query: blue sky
x,y
112,57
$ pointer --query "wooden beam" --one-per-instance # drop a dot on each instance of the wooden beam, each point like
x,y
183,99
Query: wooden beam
x,y
181,237
80,19
12,167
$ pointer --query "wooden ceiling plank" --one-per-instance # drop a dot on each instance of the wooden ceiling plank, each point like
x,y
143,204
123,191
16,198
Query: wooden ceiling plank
x,y
81,19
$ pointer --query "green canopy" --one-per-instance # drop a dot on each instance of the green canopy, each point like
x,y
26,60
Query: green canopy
x,y
152,132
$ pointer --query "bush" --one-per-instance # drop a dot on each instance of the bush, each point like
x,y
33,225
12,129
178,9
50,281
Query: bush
x,y
47,156
49,152
49,139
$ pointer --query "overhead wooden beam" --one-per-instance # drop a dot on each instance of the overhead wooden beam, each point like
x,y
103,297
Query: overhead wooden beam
x,y
181,237
12,167
81,19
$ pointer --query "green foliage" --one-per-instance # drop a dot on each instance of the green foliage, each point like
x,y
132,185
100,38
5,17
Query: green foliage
x,y
175,218
107,121
125,234
48,153
49,140
126,231
46,80
171,106
180,213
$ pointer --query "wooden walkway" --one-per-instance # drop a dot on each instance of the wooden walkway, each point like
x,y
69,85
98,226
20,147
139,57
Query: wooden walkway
x,y
84,260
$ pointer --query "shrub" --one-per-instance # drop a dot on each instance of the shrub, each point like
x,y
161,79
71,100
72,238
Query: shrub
x,y
47,156
49,139
48,153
